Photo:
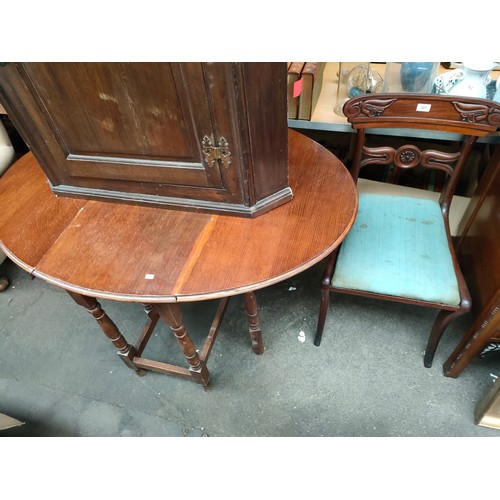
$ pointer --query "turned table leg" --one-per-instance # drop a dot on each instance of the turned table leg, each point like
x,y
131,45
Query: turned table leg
x,y
254,323
125,351
171,314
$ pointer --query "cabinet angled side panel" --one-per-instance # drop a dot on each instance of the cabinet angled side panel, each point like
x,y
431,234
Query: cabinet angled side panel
x,y
23,111
265,101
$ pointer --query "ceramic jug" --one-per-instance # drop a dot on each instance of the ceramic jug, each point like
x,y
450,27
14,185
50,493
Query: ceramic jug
x,y
496,97
469,80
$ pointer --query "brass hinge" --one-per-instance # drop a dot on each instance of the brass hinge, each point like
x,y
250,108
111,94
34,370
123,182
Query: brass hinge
x,y
213,153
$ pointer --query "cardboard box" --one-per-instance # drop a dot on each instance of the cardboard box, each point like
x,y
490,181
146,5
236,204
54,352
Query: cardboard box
x,y
487,412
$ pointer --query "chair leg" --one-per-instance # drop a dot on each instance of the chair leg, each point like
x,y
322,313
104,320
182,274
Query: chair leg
x,y
442,321
325,296
323,310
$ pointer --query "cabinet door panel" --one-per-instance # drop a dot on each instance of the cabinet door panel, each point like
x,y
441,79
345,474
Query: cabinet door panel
x,y
128,121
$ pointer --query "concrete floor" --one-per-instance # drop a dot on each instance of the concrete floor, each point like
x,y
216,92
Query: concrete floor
x,y
60,375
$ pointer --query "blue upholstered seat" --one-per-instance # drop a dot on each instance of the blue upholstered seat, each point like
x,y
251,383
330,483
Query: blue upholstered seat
x,y
398,246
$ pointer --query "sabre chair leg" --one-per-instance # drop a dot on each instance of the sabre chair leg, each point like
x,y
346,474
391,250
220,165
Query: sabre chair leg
x,y
443,319
171,314
126,352
325,297
254,323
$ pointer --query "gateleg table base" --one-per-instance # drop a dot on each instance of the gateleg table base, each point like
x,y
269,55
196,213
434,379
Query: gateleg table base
x,y
171,314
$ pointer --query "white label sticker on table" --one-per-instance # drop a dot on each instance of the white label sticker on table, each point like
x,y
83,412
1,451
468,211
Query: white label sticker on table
x,y
149,277
424,107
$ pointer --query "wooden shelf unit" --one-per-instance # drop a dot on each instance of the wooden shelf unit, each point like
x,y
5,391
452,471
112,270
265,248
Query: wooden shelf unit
x,y
325,119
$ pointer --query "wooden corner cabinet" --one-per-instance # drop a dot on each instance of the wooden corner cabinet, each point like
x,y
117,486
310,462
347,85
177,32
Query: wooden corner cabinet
x,y
199,136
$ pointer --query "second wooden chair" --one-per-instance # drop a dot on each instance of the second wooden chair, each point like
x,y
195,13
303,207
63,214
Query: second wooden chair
x,y
400,248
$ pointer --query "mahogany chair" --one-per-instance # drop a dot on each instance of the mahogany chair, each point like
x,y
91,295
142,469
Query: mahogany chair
x,y
400,248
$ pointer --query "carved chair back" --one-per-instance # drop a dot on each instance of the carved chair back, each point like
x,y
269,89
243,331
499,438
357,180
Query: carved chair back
x,y
470,117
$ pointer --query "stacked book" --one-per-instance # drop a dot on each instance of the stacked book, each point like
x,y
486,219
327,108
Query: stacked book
x,y
304,86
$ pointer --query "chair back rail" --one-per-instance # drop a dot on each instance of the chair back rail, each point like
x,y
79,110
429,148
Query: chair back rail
x,y
470,117
457,114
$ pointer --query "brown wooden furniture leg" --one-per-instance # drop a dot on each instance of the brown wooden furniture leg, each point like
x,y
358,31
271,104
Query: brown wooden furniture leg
x,y
148,329
125,351
171,314
254,323
442,320
473,342
325,296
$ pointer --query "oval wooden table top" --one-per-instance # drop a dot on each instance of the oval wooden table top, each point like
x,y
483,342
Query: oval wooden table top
x,y
154,255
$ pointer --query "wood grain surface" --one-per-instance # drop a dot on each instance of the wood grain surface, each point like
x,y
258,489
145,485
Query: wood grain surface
x,y
154,255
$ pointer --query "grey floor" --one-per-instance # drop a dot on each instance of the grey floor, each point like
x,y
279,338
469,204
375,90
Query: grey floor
x,y
60,375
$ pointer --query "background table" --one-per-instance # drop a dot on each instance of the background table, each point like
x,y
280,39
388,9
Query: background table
x,y
162,257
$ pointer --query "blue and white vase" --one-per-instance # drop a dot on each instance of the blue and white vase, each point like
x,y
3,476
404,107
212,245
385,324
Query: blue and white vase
x,y
470,80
